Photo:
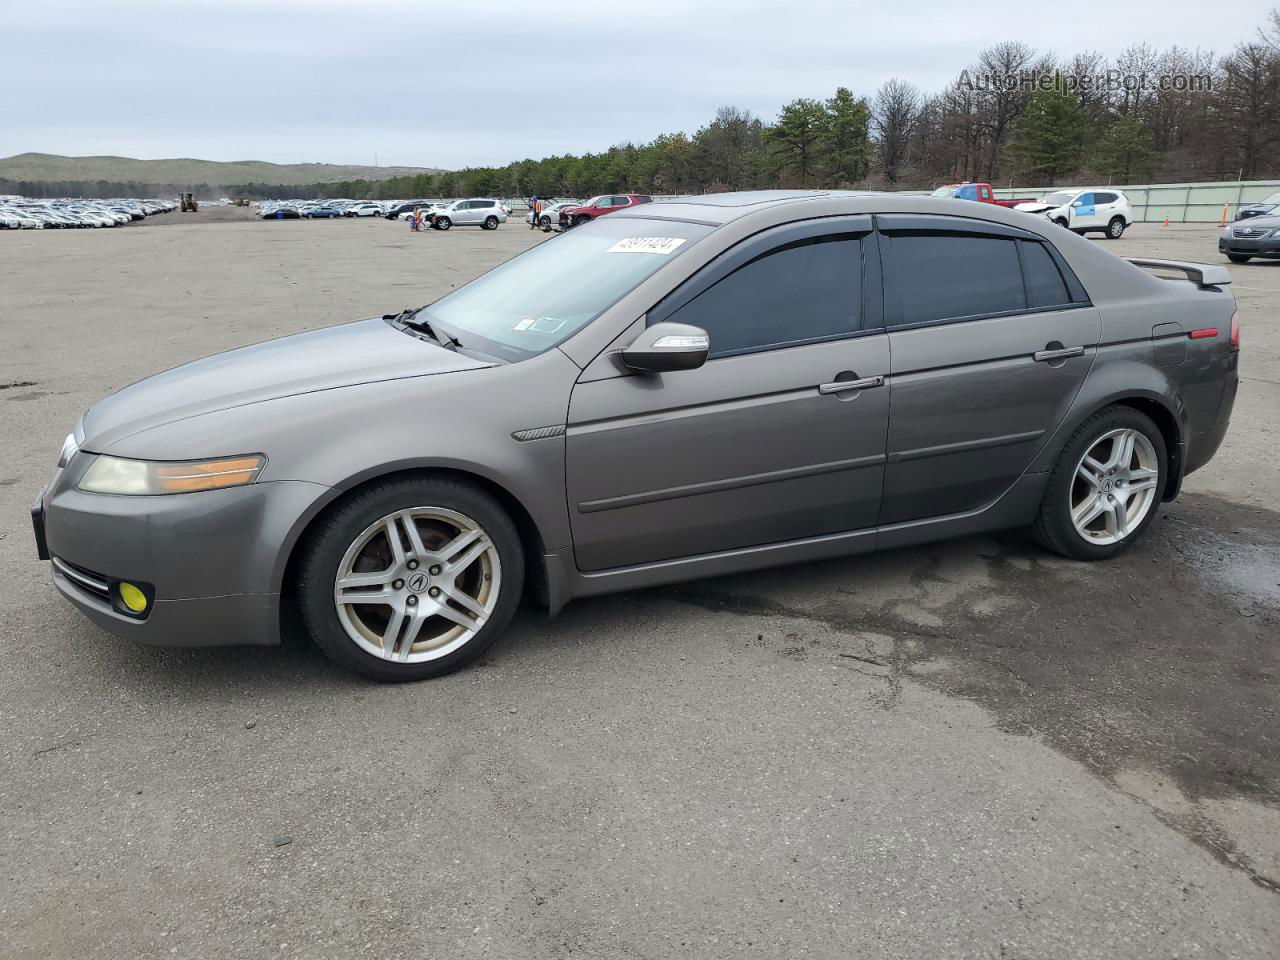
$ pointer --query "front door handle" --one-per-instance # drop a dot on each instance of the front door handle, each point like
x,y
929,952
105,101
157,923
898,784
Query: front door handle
x,y
844,386
1061,353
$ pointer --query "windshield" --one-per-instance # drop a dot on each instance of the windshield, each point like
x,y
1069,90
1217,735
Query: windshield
x,y
1274,200
1059,198
944,192
546,294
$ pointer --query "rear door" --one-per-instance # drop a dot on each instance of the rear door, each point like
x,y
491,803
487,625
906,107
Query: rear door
x,y
1105,206
761,445
991,336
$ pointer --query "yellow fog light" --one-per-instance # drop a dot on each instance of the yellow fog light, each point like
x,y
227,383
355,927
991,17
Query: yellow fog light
x,y
133,598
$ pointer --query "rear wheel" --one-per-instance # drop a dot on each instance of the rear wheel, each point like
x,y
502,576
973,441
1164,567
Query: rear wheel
x,y
411,578
491,223
544,222
1115,229
1239,257
1106,486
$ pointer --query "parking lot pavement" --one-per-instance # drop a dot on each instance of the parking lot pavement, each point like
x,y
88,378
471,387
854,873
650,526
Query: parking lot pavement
x,y
971,749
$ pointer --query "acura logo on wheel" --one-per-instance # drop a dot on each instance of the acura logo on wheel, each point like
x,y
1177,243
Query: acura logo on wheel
x,y
417,583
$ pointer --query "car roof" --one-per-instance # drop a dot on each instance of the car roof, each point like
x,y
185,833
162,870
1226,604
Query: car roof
x,y
721,208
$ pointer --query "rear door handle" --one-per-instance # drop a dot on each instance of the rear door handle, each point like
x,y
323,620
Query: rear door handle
x,y
1044,356
844,386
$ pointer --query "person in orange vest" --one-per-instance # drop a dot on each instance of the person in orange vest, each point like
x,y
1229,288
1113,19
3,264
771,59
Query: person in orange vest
x,y
535,205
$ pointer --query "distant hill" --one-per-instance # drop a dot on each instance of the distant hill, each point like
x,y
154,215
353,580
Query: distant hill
x,y
48,167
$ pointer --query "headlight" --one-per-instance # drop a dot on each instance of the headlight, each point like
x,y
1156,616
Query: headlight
x,y
144,478
69,449
1275,234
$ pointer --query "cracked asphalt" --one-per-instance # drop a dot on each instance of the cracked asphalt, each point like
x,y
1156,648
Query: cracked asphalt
x,y
969,749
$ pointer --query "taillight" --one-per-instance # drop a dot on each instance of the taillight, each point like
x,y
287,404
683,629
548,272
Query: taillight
x,y
1235,331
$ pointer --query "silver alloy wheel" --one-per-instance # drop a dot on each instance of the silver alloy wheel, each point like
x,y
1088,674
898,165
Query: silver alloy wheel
x,y
417,584
1116,229
1114,487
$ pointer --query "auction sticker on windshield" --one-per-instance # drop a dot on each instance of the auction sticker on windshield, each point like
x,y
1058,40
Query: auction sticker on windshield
x,y
659,245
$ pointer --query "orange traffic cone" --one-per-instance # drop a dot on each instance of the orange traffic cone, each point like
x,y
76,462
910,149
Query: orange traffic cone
x,y
1166,221
1223,223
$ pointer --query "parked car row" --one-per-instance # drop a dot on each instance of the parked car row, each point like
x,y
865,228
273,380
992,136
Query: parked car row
x,y
484,212
25,213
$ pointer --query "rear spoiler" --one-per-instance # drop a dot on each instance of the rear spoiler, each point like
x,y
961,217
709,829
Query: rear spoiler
x,y
1201,274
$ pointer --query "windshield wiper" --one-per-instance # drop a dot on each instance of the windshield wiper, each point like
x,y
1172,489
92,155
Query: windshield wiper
x,y
408,318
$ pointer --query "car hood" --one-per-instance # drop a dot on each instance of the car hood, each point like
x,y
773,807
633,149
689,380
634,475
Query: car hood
x,y
365,351
1035,206
1257,223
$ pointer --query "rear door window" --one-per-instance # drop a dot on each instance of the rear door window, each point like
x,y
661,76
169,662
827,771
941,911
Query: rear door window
x,y
951,276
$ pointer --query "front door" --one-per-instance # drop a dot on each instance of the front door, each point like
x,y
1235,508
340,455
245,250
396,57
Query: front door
x,y
1084,212
991,336
764,443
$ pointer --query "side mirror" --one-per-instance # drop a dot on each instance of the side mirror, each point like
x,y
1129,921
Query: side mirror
x,y
666,347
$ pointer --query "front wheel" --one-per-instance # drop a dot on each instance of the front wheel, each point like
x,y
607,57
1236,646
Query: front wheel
x,y
411,578
581,220
491,223
442,223
1061,221
1239,257
1115,229
1106,486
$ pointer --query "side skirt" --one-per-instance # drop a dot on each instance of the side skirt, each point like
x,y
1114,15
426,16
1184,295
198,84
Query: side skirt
x,y
1014,508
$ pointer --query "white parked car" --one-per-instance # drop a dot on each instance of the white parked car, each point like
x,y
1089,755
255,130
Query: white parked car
x,y
551,213
363,210
478,212
1086,211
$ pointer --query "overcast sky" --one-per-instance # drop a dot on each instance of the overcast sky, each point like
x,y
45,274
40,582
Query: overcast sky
x,y
424,83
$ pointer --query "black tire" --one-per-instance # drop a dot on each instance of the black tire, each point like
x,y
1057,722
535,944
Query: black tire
x,y
491,223
1053,527
328,541
1060,222
1115,228
442,223
545,223
581,220
1239,257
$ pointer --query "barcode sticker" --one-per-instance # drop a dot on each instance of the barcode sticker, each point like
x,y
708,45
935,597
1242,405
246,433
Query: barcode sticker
x,y
663,246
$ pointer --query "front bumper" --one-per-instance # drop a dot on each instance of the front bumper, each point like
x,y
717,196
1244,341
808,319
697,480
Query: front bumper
x,y
215,559
1249,247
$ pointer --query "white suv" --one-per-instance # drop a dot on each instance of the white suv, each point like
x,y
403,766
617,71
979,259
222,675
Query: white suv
x,y
478,212
1086,211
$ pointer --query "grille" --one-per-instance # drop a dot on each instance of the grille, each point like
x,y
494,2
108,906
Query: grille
x,y
91,585
1246,233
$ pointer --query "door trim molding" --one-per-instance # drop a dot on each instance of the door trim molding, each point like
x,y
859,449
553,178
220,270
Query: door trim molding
x,y
732,483
964,446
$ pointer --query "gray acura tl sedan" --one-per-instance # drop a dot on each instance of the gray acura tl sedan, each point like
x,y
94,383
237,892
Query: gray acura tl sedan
x,y
687,389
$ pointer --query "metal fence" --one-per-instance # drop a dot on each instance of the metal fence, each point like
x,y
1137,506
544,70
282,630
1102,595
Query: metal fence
x,y
1179,202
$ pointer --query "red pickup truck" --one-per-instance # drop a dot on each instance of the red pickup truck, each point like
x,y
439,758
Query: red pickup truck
x,y
980,192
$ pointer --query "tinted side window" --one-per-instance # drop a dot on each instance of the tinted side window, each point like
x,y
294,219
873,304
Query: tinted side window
x,y
945,276
621,202
809,290
967,192
1045,286
1101,198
